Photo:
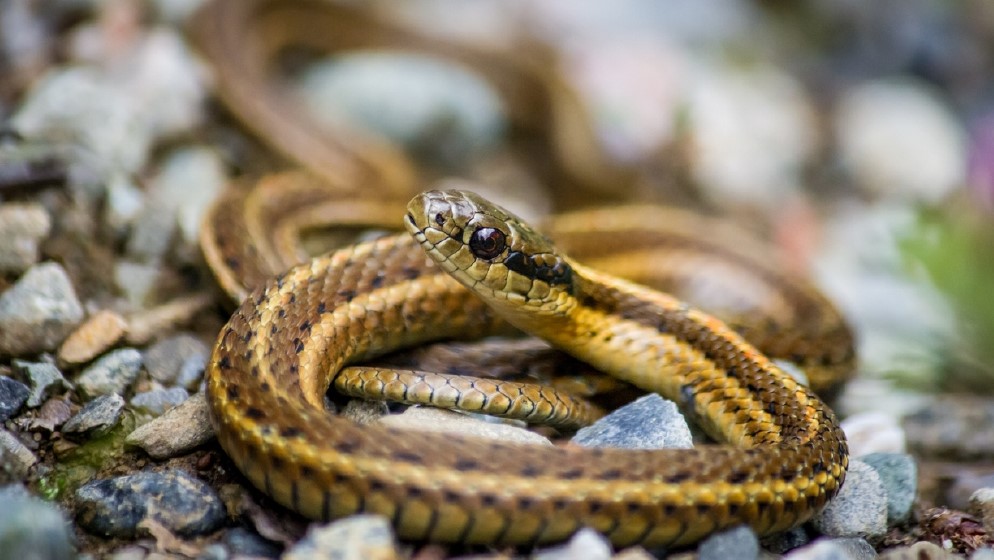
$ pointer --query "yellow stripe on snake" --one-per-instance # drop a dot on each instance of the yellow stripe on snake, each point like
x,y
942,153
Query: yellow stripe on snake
x,y
275,359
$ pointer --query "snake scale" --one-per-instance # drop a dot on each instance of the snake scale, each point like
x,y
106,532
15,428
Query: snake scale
x,y
277,355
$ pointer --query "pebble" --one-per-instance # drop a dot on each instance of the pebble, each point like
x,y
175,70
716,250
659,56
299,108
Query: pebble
x,y
113,373
15,457
92,338
899,474
834,549
982,554
54,413
168,359
136,280
859,509
359,537
188,181
437,110
38,311
45,380
114,507
923,550
97,417
649,422
982,506
739,542
176,432
31,528
429,419
781,543
13,395
22,228
242,542
873,432
585,544
157,401
953,428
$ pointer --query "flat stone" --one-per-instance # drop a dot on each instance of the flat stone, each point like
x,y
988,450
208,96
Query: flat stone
x,y
52,414
650,422
781,543
739,542
166,359
113,373
176,432
22,227
157,401
44,379
92,338
899,474
96,417
137,280
922,550
38,311
834,549
31,528
585,544
359,537
873,432
114,507
859,509
427,419
15,457
982,506
13,395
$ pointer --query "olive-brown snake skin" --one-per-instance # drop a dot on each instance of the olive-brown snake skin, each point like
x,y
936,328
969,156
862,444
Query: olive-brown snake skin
x,y
274,360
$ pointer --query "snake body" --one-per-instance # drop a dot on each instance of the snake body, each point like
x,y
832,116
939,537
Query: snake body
x,y
275,358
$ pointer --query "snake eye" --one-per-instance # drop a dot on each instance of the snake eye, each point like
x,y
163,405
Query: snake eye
x,y
487,243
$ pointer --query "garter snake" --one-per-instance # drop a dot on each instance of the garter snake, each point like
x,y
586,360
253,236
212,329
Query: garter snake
x,y
275,358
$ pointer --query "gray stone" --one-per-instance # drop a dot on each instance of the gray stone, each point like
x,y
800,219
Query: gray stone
x,y
32,529
176,432
13,395
922,550
45,380
650,422
739,542
781,543
242,542
585,544
114,507
982,554
834,549
113,373
982,506
899,474
949,428
136,280
358,537
428,419
97,417
873,432
15,457
22,228
157,401
166,359
859,509
38,311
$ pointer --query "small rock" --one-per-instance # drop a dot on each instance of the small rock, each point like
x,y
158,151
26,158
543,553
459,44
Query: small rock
x,y
111,374
781,543
859,509
359,537
95,336
982,554
46,380
38,311
585,544
834,549
365,412
923,550
957,427
13,395
427,419
15,457
166,359
157,401
178,431
899,474
114,507
873,432
136,280
22,228
51,415
739,542
97,417
964,484
982,506
650,422
242,542
31,528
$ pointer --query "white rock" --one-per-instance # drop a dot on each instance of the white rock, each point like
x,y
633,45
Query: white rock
x,y
873,432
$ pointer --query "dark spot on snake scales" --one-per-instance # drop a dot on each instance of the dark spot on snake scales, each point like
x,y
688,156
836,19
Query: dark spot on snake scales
x,y
232,263
407,456
377,281
322,308
224,363
289,431
254,413
347,295
232,392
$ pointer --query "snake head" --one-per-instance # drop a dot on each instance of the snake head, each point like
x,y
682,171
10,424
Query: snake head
x,y
490,250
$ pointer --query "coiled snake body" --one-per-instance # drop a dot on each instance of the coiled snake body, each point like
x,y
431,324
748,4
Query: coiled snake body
x,y
274,360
